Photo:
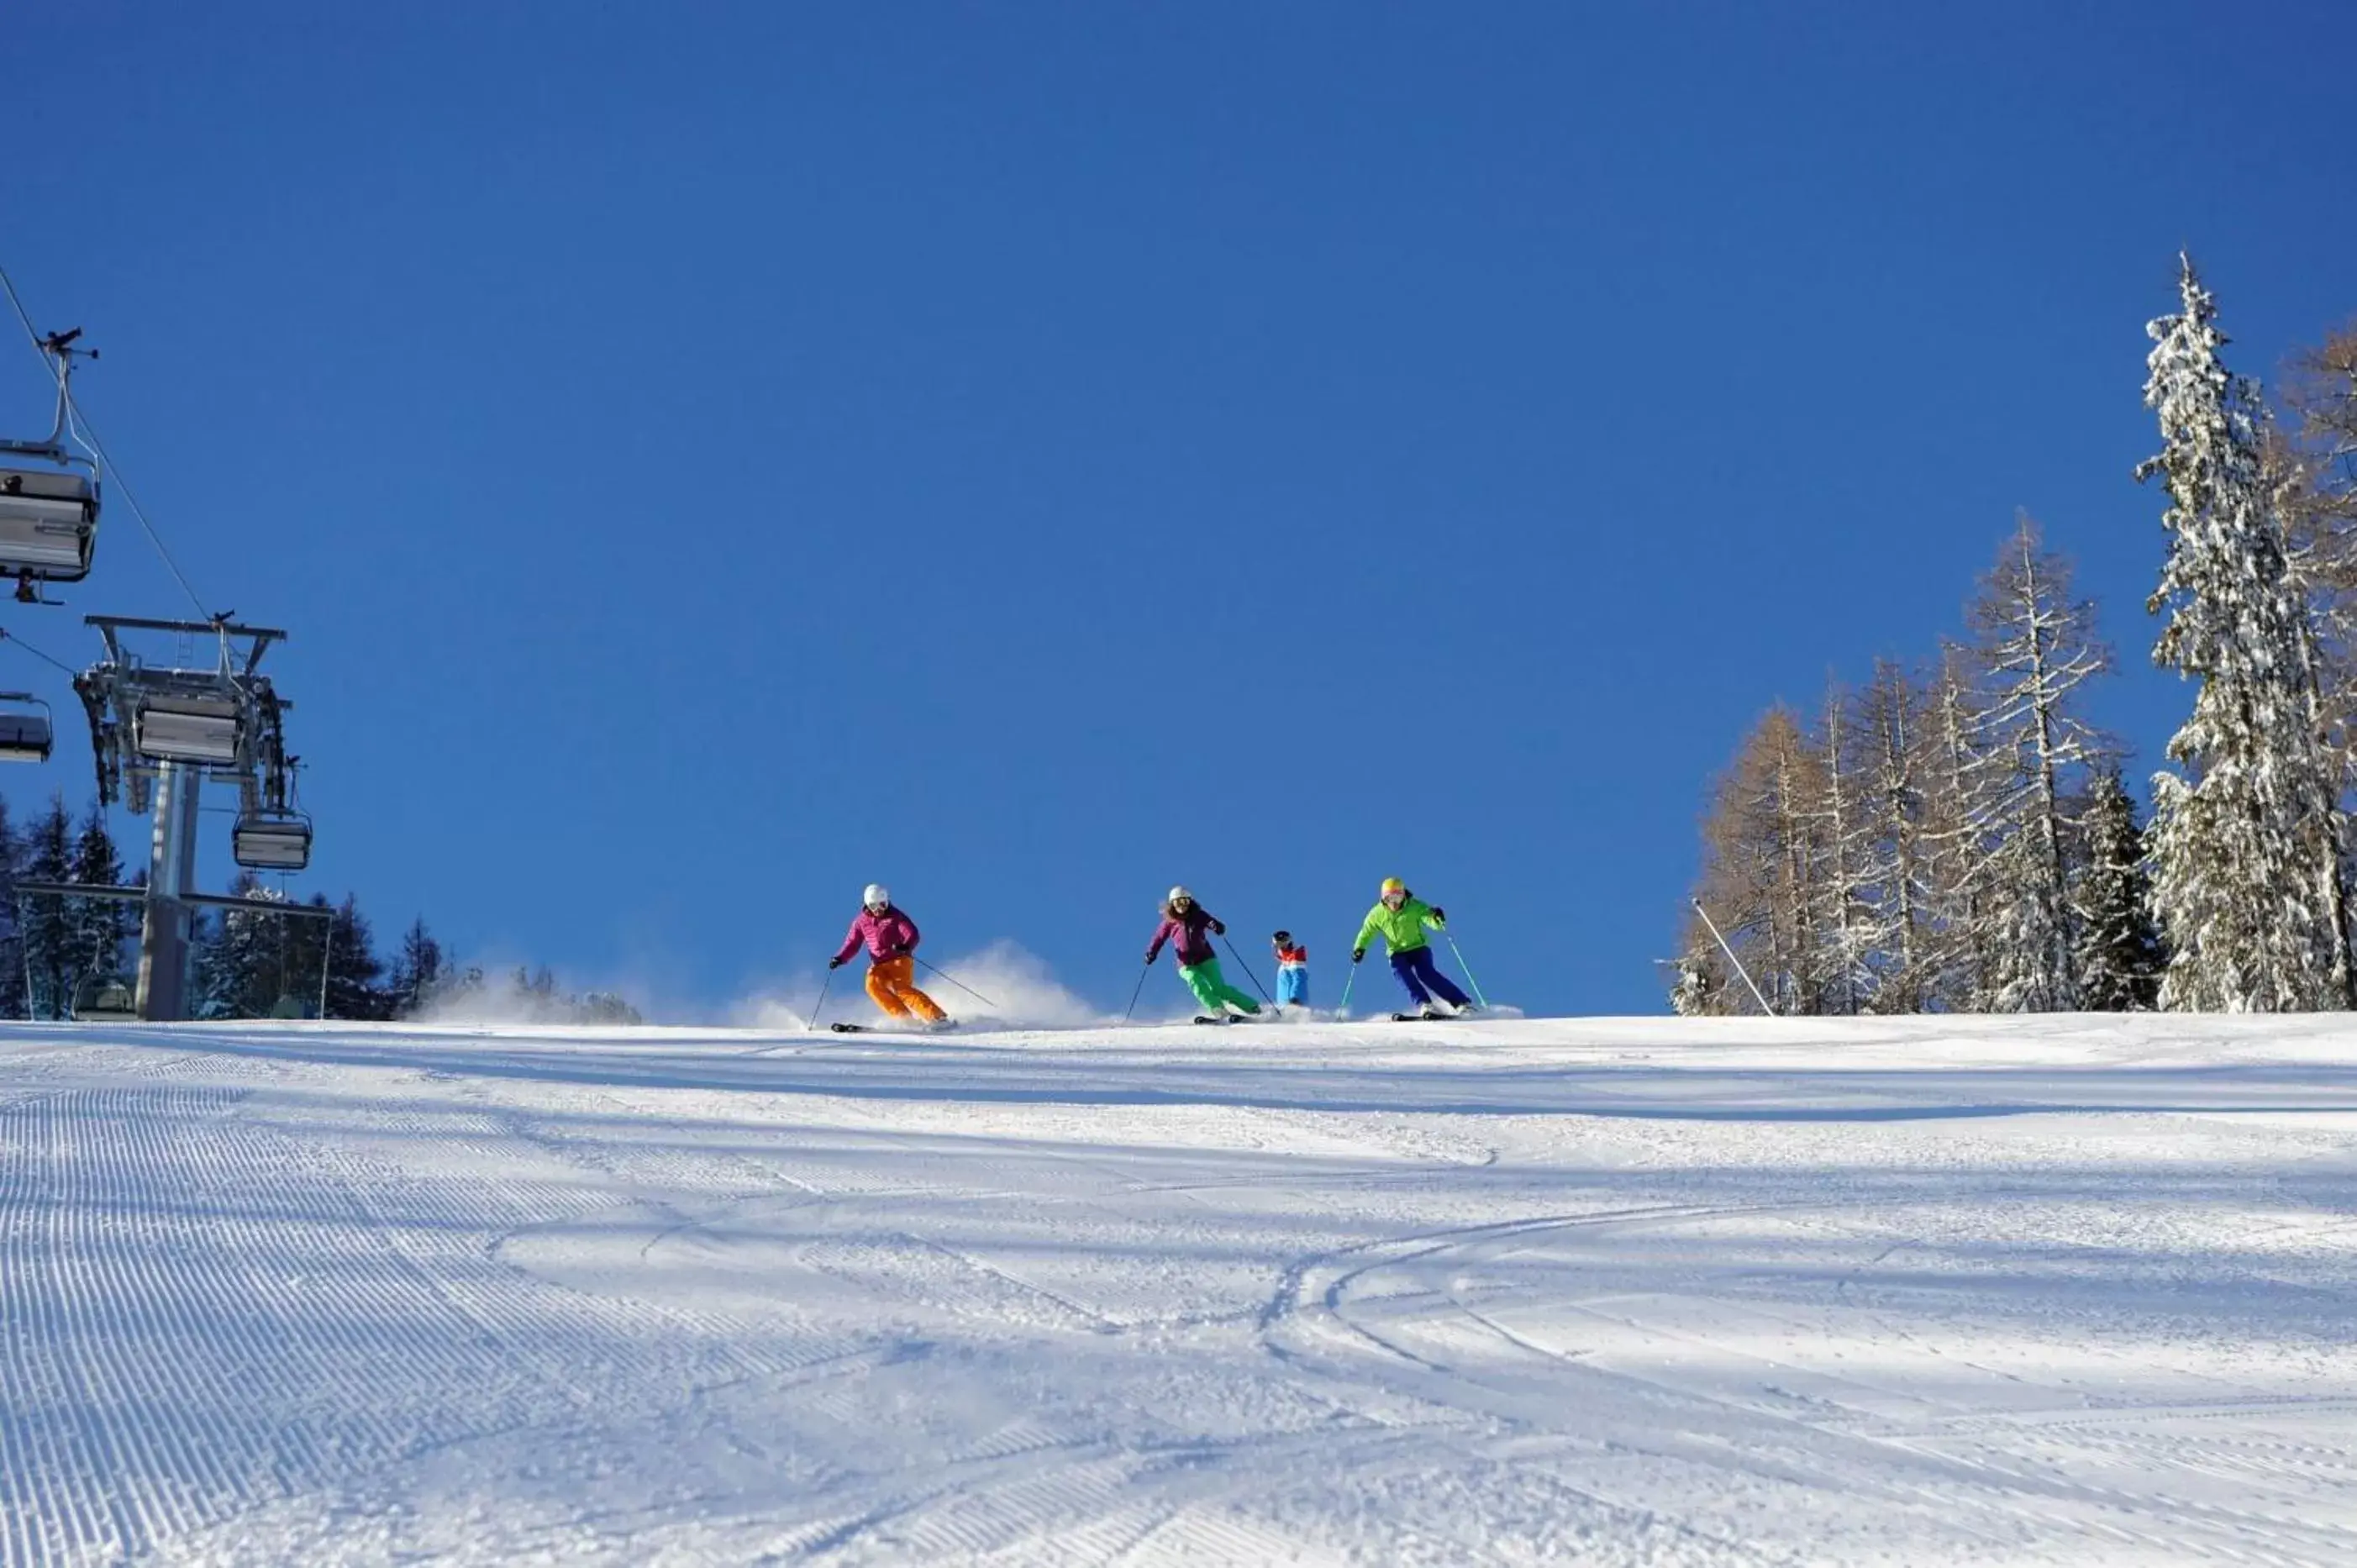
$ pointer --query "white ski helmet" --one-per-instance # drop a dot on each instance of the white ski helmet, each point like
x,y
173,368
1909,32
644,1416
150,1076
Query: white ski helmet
x,y
1179,893
876,895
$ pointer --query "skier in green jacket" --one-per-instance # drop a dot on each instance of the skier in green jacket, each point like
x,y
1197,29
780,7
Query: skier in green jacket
x,y
1400,919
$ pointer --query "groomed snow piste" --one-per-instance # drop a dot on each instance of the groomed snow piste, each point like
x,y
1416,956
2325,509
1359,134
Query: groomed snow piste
x,y
2060,1291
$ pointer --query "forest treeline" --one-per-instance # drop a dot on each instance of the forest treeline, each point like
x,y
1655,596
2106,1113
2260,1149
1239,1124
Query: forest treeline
x,y
1955,835
60,956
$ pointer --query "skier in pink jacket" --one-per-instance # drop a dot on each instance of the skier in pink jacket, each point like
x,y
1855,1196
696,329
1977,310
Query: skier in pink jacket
x,y
891,939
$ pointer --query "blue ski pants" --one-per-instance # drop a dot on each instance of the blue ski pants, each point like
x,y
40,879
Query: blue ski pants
x,y
1293,984
1422,980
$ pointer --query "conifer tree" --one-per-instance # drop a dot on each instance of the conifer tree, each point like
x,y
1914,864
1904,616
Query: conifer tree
x,y
1956,842
208,985
1892,731
101,927
53,959
1763,865
2316,489
416,972
13,1000
2035,646
2120,958
353,967
247,962
2246,840
1840,830
1696,986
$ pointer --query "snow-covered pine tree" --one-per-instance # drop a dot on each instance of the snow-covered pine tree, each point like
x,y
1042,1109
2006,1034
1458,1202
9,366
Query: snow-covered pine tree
x,y
1843,917
1956,844
2247,841
2034,647
1696,986
209,982
101,926
416,972
353,967
12,936
1891,731
244,964
53,958
2120,956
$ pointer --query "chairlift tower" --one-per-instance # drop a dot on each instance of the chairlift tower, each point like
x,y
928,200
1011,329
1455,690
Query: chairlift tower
x,y
156,733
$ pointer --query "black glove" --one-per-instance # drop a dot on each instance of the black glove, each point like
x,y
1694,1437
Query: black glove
x,y
1218,930
1440,914
1357,954
1149,959
837,962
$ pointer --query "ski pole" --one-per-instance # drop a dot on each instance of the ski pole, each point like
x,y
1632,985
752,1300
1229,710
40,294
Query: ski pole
x,y
1468,971
1249,974
1342,1007
954,980
1143,970
821,1000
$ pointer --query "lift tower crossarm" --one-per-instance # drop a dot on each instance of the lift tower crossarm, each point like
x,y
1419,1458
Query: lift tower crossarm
x,y
259,637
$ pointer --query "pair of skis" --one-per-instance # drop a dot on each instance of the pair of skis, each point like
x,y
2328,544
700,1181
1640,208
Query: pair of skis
x,y
872,1029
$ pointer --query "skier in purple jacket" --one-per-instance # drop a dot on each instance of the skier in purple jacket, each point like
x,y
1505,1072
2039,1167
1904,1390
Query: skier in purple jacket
x,y
1185,923
891,939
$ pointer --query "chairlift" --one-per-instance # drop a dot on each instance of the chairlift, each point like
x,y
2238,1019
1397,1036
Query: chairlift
x,y
49,515
24,731
48,521
266,839
207,730
104,1000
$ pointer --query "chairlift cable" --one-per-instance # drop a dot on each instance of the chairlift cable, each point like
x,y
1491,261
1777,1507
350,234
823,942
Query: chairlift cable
x,y
79,426
7,636
31,332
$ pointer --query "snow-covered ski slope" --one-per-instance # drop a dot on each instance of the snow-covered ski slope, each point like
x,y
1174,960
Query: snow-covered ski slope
x,y
2064,1290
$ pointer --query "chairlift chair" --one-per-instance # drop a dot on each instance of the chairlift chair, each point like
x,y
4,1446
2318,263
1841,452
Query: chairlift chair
x,y
268,840
107,1000
24,731
207,730
49,519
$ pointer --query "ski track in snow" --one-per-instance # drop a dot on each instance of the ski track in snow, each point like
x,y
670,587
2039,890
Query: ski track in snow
x,y
2034,1290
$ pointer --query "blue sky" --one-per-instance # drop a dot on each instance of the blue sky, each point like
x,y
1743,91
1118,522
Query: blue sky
x,y
709,456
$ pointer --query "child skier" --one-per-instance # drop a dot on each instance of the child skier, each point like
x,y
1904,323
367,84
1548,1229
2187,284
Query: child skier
x,y
1400,919
891,939
1292,971
1190,927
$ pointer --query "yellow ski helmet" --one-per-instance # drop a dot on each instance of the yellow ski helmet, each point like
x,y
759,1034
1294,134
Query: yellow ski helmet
x,y
1392,885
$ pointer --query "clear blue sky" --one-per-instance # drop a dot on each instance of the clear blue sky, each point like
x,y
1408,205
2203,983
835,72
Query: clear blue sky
x,y
711,455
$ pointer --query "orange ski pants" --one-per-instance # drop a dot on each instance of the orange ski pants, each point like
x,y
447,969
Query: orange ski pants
x,y
892,985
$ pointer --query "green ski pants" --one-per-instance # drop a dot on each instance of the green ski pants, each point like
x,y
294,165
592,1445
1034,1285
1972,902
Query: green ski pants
x,y
1210,990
